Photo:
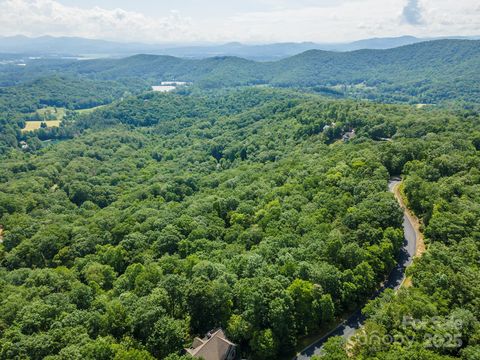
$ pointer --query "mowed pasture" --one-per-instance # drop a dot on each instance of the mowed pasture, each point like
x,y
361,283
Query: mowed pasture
x,y
53,117
89,110
52,113
34,125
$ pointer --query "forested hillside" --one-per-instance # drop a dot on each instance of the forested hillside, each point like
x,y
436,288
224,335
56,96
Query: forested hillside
x,y
435,72
18,103
167,215
437,316
427,72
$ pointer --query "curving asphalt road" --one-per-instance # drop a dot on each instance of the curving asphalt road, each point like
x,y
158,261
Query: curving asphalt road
x,y
347,328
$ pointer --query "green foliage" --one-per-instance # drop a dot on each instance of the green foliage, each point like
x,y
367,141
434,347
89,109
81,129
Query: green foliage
x,y
427,72
439,314
172,214
263,345
434,72
333,349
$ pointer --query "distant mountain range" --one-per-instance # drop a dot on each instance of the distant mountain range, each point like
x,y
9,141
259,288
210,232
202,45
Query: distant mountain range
x,y
426,72
80,47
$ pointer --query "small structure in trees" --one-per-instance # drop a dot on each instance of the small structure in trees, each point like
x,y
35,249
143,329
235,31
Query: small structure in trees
x,y
23,145
349,135
214,346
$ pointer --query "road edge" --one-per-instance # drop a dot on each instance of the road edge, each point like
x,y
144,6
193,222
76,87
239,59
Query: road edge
x,y
420,247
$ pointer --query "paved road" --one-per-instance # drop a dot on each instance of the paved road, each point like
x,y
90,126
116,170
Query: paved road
x,y
395,279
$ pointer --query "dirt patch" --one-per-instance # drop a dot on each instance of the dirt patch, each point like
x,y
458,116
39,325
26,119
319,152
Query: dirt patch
x,y
407,282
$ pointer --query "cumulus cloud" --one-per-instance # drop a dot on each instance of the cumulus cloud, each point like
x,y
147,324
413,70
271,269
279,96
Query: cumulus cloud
x,y
340,21
49,17
357,19
274,20
412,13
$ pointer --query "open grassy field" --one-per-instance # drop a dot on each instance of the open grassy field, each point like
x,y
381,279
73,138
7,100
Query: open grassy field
x,y
87,111
34,125
49,113
53,117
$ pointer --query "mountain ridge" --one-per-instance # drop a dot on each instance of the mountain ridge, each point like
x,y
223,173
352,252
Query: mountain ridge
x,y
77,46
428,72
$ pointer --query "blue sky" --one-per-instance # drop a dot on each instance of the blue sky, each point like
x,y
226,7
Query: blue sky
x,y
241,20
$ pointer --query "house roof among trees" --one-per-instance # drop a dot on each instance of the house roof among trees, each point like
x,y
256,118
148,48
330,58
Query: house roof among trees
x,y
215,346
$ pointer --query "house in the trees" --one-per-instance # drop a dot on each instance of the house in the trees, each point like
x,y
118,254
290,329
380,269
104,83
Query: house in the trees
x,y
349,135
214,346
23,145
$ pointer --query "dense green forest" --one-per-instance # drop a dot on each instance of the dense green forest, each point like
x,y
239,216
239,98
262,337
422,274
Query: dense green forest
x,y
19,102
435,73
236,202
428,72
163,216
438,317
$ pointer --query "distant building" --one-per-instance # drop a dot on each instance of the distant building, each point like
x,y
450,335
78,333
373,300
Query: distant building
x,y
173,83
163,88
23,145
167,86
326,127
348,135
214,346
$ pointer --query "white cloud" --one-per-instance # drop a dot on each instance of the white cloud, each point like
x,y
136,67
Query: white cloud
x,y
412,13
356,19
49,17
273,20
336,22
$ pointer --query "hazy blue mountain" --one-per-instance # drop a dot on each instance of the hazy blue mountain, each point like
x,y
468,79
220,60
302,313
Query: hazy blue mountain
x,y
66,46
379,43
253,52
74,46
